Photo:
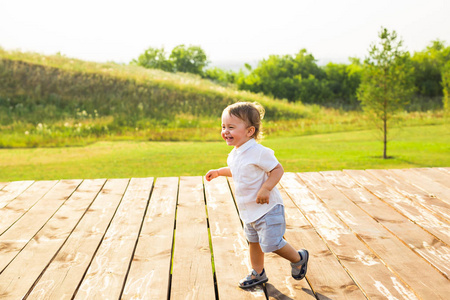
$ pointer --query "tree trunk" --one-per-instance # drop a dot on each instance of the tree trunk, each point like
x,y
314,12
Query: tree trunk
x,y
385,138
385,115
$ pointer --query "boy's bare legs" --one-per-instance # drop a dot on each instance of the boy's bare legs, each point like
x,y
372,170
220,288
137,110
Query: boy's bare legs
x,y
288,252
256,257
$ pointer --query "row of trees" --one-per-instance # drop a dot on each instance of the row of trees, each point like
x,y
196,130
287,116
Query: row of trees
x,y
383,84
299,78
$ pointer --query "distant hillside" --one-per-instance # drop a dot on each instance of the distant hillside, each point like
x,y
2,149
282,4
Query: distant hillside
x,y
34,87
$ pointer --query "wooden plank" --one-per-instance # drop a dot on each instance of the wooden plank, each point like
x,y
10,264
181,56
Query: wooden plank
x,y
424,183
17,208
192,275
440,208
106,275
20,275
396,255
17,236
368,271
420,241
230,248
64,274
435,175
12,190
150,270
405,206
325,274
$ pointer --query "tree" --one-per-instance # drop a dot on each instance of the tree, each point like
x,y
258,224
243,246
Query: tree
x,y
343,81
428,66
387,81
190,59
154,58
273,76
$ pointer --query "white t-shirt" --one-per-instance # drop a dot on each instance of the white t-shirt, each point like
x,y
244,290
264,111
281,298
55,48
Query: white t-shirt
x,y
249,165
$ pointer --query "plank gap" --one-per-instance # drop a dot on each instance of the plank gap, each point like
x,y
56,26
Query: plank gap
x,y
216,291
169,290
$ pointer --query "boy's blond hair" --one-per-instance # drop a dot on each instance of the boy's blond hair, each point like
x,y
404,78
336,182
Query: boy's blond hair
x,y
251,113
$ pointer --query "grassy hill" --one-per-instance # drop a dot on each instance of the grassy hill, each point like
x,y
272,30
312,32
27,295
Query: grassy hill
x,y
69,84
61,94
60,101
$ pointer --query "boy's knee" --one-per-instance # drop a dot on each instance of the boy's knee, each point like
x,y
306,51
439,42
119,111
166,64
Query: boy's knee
x,y
273,247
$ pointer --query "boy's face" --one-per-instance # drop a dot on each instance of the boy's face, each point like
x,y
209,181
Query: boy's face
x,y
235,131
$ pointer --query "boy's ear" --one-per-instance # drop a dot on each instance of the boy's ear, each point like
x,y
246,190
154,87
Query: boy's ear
x,y
251,131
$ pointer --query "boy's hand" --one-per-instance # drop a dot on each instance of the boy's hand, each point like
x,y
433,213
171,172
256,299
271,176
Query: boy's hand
x,y
212,174
218,172
263,196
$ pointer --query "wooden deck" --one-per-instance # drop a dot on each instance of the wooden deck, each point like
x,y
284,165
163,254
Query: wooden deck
x,y
376,234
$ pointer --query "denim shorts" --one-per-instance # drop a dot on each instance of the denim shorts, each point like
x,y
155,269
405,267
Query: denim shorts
x,y
268,230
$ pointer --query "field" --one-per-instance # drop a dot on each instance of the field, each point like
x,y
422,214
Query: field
x,y
56,101
66,118
415,146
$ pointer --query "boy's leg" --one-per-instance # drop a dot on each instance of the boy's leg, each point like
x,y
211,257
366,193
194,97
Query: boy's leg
x,y
288,252
298,259
257,275
256,257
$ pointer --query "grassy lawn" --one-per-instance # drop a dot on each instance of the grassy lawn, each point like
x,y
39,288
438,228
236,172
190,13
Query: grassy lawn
x,y
422,146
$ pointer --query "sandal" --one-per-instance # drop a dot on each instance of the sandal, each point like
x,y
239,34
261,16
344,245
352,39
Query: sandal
x,y
248,281
297,273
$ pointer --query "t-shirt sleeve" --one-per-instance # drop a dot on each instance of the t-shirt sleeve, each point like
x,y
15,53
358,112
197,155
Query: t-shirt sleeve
x,y
267,159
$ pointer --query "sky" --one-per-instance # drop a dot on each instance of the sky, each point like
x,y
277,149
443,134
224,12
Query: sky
x,y
232,31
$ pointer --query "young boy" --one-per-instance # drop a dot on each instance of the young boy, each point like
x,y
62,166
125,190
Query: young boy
x,y
256,172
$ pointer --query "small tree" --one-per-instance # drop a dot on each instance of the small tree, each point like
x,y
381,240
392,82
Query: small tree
x,y
387,81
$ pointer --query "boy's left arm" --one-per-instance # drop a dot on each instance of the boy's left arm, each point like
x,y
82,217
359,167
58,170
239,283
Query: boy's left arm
x,y
274,177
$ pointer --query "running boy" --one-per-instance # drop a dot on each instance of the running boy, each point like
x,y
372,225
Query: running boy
x,y
256,172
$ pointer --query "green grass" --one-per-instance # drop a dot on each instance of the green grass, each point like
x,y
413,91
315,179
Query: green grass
x,y
421,146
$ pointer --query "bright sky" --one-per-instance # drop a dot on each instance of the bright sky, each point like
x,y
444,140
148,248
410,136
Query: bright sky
x,y
232,30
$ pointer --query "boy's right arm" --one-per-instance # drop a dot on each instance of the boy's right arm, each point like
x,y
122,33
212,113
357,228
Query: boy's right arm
x,y
218,172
